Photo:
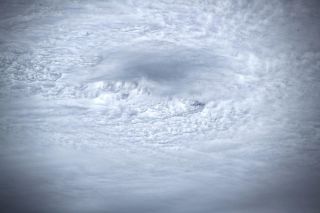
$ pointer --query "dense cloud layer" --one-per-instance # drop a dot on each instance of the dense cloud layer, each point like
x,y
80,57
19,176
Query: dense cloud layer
x,y
159,106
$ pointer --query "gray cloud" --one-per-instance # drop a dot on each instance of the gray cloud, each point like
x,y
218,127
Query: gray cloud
x,y
167,106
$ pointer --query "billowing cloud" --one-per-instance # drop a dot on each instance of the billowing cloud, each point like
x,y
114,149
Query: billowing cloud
x,y
159,106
